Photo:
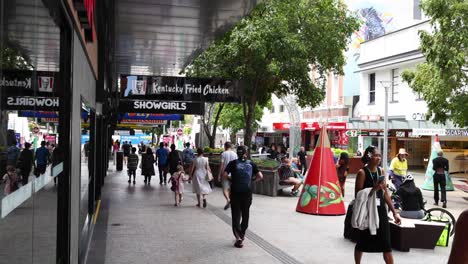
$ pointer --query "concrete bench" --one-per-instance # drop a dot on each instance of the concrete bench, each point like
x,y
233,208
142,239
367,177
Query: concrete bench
x,y
414,233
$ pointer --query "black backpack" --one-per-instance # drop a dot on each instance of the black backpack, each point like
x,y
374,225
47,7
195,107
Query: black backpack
x,y
243,176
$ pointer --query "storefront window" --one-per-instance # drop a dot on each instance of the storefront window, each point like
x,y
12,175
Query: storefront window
x,y
29,114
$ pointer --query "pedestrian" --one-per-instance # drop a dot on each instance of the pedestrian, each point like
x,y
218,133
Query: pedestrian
x,y
13,153
440,165
42,158
398,168
132,165
302,158
25,163
459,254
287,176
187,158
411,199
241,172
126,151
227,156
177,181
173,160
57,158
272,153
342,169
10,179
85,150
161,157
147,165
200,176
372,176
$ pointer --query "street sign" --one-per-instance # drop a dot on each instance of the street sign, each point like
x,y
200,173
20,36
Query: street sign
x,y
352,133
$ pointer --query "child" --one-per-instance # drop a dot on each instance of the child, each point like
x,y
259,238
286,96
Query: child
x,y
177,181
11,180
132,165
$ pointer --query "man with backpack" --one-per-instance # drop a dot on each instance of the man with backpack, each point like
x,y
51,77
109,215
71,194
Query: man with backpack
x,y
187,157
161,159
241,172
126,147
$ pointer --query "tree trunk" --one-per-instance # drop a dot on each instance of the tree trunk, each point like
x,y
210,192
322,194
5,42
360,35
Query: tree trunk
x,y
211,133
249,113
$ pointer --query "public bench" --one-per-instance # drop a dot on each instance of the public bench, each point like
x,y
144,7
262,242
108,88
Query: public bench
x,y
414,233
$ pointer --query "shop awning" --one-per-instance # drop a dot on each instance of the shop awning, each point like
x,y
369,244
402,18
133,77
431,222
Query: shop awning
x,y
392,124
311,126
160,37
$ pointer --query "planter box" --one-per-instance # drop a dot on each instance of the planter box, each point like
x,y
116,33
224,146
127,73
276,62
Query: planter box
x,y
267,186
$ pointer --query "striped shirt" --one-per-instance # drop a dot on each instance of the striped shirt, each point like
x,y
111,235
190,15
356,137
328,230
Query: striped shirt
x,y
132,162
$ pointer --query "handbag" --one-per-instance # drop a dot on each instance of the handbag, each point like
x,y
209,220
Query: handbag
x,y
209,176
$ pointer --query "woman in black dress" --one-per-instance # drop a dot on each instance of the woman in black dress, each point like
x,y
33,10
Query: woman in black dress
x,y
372,176
147,165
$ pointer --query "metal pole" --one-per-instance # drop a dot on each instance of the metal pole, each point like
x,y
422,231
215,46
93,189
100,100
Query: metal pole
x,y
385,146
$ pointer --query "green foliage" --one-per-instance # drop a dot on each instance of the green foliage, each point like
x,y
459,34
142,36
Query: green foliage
x,y
274,49
442,79
213,150
337,152
187,130
12,58
266,163
232,117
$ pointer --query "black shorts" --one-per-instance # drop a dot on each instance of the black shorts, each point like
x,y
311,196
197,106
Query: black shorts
x,y
126,154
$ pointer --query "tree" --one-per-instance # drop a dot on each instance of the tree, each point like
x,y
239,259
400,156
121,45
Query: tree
x,y
272,50
232,118
210,121
442,79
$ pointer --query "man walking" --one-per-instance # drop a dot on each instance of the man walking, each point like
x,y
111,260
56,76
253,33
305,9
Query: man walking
x,y
241,172
132,165
41,157
227,156
126,147
187,158
440,165
302,161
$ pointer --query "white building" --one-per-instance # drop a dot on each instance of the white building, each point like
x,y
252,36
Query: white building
x,y
381,64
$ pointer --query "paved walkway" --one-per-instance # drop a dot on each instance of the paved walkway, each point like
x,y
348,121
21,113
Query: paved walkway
x,y
139,224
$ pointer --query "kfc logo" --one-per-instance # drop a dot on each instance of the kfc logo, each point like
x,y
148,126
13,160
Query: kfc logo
x,y
45,84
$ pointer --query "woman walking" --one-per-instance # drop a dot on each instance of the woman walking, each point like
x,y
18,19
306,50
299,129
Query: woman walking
x,y
147,165
342,170
372,176
199,174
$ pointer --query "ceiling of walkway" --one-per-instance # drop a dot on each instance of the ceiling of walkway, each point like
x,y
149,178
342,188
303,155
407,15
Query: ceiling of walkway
x,y
30,30
160,37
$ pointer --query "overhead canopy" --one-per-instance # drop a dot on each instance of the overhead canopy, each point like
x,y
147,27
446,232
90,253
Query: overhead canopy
x,y
160,37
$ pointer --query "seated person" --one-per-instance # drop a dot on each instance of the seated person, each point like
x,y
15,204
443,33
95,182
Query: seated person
x,y
295,169
287,177
411,199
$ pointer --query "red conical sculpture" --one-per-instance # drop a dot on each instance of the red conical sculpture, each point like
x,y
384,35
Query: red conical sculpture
x,y
321,194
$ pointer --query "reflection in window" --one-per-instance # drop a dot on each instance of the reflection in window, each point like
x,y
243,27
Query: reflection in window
x,y
29,65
